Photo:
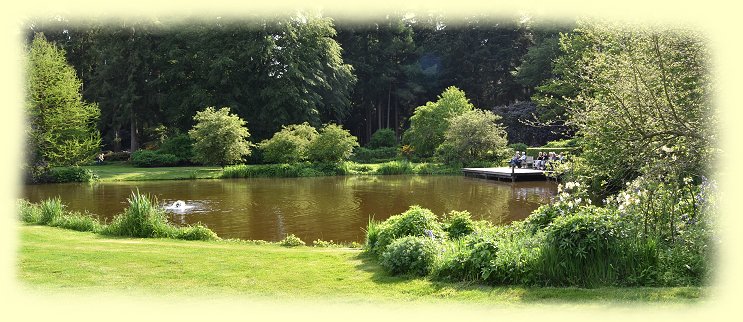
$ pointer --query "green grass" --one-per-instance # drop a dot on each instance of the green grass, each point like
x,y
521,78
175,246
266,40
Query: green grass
x,y
120,171
126,172
55,259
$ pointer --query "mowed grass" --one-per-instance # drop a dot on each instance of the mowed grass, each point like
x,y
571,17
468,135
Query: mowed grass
x,y
126,172
57,259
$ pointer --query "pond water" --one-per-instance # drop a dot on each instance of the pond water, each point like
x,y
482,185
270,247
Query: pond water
x,y
328,208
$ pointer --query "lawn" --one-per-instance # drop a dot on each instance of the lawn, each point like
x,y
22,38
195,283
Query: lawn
x,y
125,172
52,259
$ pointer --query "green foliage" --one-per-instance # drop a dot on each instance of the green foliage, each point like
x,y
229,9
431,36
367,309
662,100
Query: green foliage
x,y
591,248
472,136
395,167
291,241
50,210
564,151
70,174
412,255
77,221
415,221
117,156
180,145
429,122
643,96
467,259
458,224
382,138
143,218
220,138
61,128
151,159
518,146
290,145
333,144
383,154
28,212
195,232
303,169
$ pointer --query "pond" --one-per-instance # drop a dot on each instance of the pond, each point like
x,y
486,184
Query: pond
x,y
328,208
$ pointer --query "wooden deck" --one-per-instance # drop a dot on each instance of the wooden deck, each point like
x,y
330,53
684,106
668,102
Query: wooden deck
x,y
505,173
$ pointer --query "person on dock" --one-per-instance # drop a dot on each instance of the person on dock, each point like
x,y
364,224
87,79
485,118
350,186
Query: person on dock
x,y
539,163
522,160
515,161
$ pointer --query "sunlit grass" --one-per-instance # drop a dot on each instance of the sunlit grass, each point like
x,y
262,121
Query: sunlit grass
x,y
64,260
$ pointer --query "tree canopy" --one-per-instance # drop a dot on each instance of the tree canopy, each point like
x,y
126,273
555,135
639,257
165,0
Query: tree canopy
x,y
220,138
61,125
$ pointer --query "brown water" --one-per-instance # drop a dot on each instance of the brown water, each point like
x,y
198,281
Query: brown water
x,y
328,208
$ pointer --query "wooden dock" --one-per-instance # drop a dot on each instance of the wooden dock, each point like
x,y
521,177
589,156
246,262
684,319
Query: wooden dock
x,y
505,173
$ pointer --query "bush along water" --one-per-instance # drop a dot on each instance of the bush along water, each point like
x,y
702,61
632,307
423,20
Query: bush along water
x,y
629,241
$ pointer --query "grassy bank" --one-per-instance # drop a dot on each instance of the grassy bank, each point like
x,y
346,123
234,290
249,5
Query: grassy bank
x,y
127,172
64,260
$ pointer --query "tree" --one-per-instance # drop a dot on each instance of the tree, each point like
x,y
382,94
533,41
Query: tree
x,y
219,137
472,136
429,122
334,144
644,100
61,126
290,144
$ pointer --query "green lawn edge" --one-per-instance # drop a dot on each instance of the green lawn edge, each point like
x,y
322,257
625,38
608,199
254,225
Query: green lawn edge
x,y
53,259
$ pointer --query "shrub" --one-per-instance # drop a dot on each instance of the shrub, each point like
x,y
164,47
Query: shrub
x,y
591,248
289,145
415,221
468,259
518,146
77,221
49,210
291,241
382,138
149,159
324,243
143,218
458,224
541,218
383,154
29,212
196,232
472,136
70,174
117,156
409,255
395,167
181,146
219,137
429,122
436,168
333,144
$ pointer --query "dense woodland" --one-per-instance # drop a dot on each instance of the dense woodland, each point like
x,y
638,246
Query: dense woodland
x,y
150,77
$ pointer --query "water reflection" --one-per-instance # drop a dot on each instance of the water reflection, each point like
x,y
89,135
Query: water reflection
x,y
334,208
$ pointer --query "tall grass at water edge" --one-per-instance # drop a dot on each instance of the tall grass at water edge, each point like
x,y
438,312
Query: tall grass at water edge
x,y
142,219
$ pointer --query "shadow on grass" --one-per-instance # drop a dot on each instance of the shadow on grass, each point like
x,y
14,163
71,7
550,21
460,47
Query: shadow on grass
x,y
540,295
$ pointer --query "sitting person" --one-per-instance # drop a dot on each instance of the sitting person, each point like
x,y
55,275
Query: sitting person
x,y
515,161
539,161
522,160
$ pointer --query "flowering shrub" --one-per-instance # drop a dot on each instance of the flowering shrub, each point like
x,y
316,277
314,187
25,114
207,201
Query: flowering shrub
x,y
291,241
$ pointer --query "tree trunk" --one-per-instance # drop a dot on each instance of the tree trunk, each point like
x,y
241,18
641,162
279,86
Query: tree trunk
x,y
379,115
389,96
134,144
